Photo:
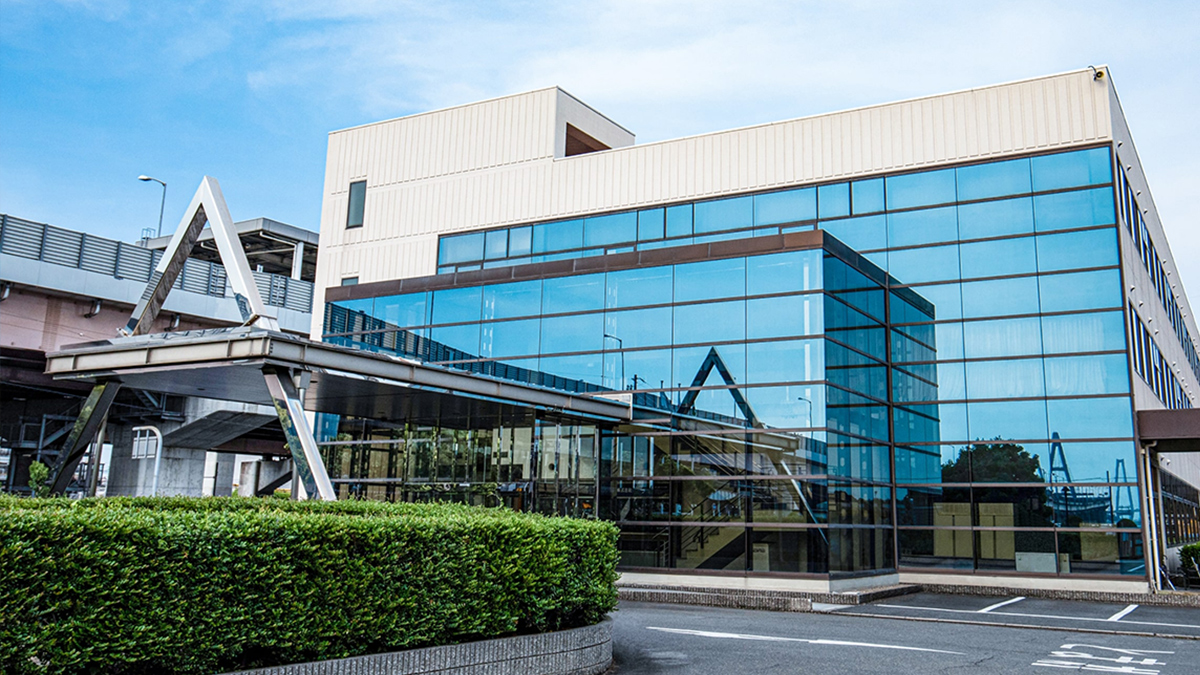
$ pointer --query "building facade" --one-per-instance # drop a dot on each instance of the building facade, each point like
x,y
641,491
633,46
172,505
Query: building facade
x,y
903,340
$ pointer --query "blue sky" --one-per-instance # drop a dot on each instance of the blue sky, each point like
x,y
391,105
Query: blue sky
x,y
95,92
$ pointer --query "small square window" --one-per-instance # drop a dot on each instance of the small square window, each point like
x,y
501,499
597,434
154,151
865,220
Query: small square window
x,y
350,281
358,199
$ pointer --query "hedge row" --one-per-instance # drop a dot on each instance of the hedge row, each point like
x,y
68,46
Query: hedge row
x,y
209,585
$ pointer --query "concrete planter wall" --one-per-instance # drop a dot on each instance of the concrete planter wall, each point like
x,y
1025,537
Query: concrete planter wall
x,y
580,651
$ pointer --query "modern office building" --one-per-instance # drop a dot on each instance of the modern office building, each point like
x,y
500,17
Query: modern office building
x,y
908,341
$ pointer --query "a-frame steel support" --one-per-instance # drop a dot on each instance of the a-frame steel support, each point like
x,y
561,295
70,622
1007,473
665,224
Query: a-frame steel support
x,y
207,206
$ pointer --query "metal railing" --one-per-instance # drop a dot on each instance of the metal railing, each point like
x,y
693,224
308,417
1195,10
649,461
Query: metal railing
x,y
119,260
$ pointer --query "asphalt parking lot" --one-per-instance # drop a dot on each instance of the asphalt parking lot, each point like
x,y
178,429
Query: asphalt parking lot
x,y
652,639
1036,612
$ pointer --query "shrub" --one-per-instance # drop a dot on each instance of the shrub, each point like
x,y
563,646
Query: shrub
x,y
1190,556
177,585
38,473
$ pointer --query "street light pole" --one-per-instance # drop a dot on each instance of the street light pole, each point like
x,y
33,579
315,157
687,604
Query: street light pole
x,y
620,346
163,204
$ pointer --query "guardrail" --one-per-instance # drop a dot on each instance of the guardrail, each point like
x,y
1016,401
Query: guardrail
x,y
120,260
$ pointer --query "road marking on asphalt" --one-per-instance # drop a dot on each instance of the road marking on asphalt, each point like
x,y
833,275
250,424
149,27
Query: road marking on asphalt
x,y
1039,616
772,638
998,605
1081,657
1122,614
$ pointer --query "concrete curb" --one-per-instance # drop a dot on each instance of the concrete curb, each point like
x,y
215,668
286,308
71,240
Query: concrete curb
x,y
742,598
579,651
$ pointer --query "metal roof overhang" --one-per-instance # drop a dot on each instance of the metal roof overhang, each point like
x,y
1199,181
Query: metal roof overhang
x,y
1170,430
228,363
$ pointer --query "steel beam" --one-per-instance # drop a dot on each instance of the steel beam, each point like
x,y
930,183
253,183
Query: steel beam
x,y
91,417
306,456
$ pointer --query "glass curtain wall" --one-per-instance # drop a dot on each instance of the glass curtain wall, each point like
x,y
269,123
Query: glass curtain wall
x,y
1011,413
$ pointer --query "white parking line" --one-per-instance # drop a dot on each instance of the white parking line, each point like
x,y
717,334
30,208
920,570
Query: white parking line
x,y
998,605
1038,616
1122,614
771,638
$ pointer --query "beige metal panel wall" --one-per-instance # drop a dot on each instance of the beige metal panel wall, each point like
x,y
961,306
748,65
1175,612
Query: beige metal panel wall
x,y
985,123
571,110
1138,286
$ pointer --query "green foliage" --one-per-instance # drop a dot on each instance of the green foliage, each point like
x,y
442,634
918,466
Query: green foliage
x,y
38,475
1190,556
997,462
178,585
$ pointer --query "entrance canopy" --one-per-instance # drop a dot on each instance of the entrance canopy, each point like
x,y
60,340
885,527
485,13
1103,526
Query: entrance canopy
x,y
228,364
1170,430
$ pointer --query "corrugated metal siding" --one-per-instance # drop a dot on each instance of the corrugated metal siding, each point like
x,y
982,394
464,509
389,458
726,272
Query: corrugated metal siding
x,y
503,174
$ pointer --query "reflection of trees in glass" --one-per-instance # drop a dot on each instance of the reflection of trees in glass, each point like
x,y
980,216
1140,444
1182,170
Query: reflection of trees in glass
x,y
996,462
1002,462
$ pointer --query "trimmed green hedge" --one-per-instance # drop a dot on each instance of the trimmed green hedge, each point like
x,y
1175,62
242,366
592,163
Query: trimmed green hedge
x,y
176,585
1190,555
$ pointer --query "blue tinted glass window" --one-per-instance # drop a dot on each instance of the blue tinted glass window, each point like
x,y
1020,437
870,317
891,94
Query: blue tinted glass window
x,y
1080,290
651,367
951,381
520,240
646,286
724,214
464,338
785,207
1071,169
1002,297
610,229
688,360
861,234
651,224
1074,333
510,338
930,226
995,179
461,248
583,333
786,316
502,301
573,294
945,298
1008,420
998,257
496,244
833,201
1092,248
640,327
786,407
867,196
453,305
878,258
710,279
364,305
1067,210
783,272
582,367
403,310
679,220
558,236
710,322
1085,375
920,189
995,219
1010,378
1091,418
787,361
949,340
1006,337
915,265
